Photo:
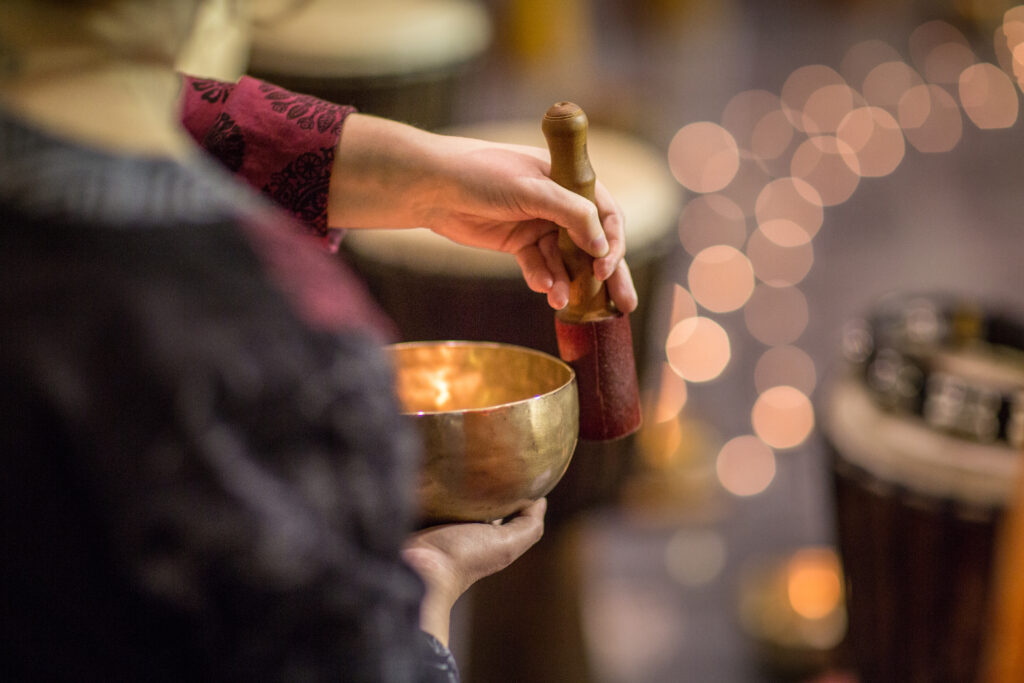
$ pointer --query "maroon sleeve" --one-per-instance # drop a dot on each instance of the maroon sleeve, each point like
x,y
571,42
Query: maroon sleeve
x,y
280,142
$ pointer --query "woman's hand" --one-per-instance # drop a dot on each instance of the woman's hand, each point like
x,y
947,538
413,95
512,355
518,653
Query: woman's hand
x,y
452,557
481,194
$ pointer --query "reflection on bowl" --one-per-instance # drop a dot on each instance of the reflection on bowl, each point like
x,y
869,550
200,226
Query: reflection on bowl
x,y
499,425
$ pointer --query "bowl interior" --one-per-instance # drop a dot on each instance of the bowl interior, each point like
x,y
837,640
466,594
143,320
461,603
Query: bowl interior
x,y
437,377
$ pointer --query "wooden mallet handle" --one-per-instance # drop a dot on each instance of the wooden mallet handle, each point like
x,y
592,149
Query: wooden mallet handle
x,y
565,128
593,337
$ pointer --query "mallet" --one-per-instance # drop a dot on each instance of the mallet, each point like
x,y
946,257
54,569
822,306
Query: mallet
x,y
593,337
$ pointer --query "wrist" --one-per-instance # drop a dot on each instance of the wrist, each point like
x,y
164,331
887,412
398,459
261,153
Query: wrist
x,y
382,175
435,615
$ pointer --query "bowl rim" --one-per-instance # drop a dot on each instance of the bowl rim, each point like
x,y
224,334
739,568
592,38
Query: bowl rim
x,y
397,346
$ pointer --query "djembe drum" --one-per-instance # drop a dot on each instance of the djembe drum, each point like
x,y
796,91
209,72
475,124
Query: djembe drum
x,y
400,59
924,430
436,289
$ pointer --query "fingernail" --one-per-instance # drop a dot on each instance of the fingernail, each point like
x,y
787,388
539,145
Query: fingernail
x,y
599,246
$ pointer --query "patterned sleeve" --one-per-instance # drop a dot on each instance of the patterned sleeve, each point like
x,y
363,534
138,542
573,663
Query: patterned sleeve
x,y
280,142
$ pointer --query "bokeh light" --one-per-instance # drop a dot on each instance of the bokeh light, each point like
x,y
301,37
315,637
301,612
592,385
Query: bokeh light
x,y
711,219
863,57
746,185
772,135
776,316
886,84
695,557
789,203
782,416
874,140
703,157
988,96
930,119
777,265
660,442
930,36
814,583
946,62
785,365
683,305
671,396
745,466
744,111
1002,47
1008,38
721,278
827,106
800,86
824,162
698,349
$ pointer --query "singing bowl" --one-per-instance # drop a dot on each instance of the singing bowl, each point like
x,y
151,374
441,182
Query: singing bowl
x,y
498,422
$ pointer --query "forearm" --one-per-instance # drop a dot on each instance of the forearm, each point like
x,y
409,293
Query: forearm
x,y
384,174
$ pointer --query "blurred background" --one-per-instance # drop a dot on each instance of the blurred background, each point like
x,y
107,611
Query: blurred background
x,y
782,165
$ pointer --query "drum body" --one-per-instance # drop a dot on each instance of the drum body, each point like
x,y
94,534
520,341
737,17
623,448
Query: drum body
x,y
400,59
917,515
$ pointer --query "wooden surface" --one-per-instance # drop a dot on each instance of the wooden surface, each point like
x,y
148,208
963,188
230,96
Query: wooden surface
x,y
1006,645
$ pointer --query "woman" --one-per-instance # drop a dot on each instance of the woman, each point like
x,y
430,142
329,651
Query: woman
x,y
206,475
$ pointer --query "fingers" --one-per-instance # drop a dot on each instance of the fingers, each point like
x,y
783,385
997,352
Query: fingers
x,y
613,224
621,289
558,296
523,530
552,202
544,270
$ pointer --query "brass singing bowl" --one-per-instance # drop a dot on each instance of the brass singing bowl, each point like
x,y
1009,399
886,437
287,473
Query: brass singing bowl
x,y
498,422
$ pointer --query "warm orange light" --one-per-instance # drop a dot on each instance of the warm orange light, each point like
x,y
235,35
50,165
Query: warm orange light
x,y
1001,44
671,396
785,365
793,200
1008,37
711,219
659,443
721,278
782,416
988,96
814,583
703,157
698,349
875,141
824,162
745,466
777,265
683,305
776,315
930,119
